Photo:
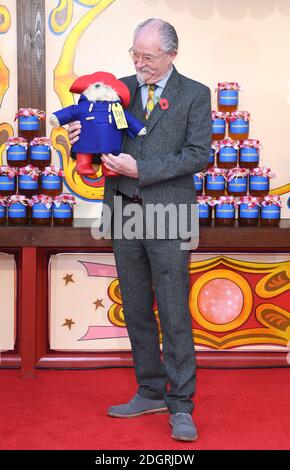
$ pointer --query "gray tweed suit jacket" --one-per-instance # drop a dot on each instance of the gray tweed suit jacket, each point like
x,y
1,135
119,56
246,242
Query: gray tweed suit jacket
x,y
176,146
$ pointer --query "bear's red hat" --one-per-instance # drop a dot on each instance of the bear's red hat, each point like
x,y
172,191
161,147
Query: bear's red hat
x,y
82,83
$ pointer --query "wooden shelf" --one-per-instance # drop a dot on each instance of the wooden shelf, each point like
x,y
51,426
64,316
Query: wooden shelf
x,y
211,238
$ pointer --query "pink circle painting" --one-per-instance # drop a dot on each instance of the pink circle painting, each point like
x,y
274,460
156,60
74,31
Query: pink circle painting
x,y
220,301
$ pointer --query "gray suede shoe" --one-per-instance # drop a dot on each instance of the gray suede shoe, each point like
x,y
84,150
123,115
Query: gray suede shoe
x,y
138,406
183,428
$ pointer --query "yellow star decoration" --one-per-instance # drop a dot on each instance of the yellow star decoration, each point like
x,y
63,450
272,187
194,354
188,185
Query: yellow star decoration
x,y
68,278
69,323
99,303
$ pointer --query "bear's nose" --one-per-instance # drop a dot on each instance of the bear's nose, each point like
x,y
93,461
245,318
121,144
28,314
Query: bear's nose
x,y
97,86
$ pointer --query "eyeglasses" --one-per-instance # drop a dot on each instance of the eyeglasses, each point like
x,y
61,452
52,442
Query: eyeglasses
x,y
149,59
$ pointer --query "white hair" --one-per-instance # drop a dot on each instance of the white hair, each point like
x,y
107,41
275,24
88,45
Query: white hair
x,y
168,35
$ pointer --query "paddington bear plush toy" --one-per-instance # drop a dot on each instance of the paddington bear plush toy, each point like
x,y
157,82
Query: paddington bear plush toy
x,y
103,119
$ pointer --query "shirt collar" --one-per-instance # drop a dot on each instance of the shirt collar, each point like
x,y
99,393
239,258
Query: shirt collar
x,y
161,83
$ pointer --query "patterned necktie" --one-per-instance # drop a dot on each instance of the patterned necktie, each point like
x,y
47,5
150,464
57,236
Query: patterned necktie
x,y
150,101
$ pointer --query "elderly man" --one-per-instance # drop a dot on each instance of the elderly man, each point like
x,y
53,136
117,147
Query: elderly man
x,y
158,169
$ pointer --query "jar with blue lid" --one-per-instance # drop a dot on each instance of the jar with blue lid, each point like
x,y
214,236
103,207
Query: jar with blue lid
x,y
41,209
249,153
249,210
51,181
227,155
225,210
8,180
3,205
18,210
271,210
259,182
237,182
228,96
62,209
239,125
17,154
40,152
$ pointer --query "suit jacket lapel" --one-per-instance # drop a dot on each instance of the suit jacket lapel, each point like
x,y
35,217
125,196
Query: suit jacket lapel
x,y
170,91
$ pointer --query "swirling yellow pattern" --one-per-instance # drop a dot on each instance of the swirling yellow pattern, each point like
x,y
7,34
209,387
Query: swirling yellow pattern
x,y
61,16
77,185
63,73
5,19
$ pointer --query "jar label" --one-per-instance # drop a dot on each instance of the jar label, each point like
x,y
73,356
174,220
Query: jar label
x,y
28,123
228,97
26,182
218,183
39,211
249,155
7,184
17,210
258,183
16,152
247,212
228,154
239,126
203,211
218,126
64,211
270,212
40,152
225,211
51,181
237,185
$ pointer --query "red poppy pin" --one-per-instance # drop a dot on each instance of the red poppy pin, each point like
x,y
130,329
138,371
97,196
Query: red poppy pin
x,y
163,103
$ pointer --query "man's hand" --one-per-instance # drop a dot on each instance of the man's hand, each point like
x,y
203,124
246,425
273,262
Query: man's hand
x,y
123,163
74,129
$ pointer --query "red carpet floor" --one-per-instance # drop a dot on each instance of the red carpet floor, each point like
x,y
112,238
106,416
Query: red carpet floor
x,y
235,409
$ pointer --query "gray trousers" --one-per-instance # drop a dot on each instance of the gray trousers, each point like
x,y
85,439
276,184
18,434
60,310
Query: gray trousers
x,y
160,267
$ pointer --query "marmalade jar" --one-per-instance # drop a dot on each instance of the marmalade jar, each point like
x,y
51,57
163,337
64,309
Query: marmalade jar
x,y
259,183
3,203
204,209
225,210
16,151
249,210
198,179
41,209
215,182
218,125
237,182
7,180
28,180
227,155
239,126
40,152
51,181
212,154
228,96
29,118
249,153
18,210
62,209
271,210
